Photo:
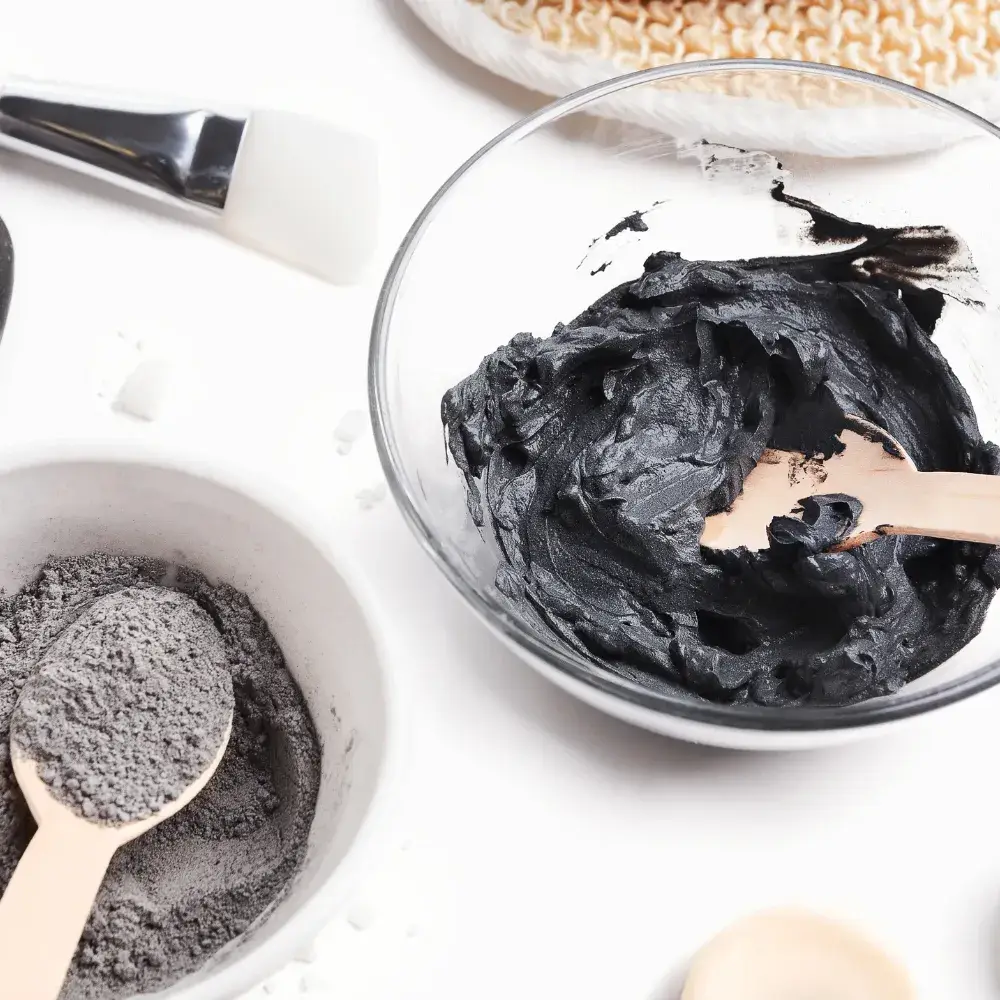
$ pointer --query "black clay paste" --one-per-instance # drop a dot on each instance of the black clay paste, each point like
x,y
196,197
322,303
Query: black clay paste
x,y
594,456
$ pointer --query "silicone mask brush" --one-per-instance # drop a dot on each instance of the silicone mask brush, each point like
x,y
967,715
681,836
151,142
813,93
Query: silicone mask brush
x,y
296,188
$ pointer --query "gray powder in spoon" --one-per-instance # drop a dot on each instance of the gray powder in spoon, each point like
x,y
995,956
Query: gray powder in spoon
x,y
128,707
197,882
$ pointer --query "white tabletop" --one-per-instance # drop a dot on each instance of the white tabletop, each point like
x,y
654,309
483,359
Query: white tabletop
x,y
542,851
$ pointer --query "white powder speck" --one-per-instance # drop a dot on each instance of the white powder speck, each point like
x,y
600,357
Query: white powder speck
x,y
372,496
309,954
315,984
145,391
361,916
351,426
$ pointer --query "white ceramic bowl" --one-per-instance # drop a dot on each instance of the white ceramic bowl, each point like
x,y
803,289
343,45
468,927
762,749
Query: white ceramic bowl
x,y
80,499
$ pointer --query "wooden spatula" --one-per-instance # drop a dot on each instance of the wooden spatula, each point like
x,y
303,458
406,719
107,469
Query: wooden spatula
x,y
49,898
897,498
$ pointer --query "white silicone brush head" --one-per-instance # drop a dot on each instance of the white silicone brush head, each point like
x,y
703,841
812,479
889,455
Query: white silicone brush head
x,y
306,192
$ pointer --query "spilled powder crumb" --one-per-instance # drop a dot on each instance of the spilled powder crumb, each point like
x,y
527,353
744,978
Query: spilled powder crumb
x,y
372,496
309,954
350,428
145,392
115,358
315,984
361,915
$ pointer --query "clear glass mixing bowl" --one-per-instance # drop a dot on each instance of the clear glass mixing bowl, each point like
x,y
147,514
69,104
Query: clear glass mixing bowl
x,y
514,241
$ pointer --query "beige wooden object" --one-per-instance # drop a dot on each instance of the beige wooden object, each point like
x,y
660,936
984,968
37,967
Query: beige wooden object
x,y
794,955
49,898
898,499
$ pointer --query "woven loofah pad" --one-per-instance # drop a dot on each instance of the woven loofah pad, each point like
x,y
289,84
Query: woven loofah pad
x,y
558,46
927,43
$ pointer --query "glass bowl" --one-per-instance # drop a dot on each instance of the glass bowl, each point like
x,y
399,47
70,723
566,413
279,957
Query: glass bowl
x,y
516,241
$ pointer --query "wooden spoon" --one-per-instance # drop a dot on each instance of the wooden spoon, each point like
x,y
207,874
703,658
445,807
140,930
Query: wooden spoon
x,y
49,898
897,498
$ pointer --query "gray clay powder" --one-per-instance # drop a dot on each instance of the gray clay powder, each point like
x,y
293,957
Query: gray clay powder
x,y
115,631
128,706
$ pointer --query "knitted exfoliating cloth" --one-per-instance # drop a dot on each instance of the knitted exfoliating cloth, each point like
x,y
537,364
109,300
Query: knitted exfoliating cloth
x,y
559,46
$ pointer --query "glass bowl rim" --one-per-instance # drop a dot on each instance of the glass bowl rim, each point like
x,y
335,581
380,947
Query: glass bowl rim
x,y
745,717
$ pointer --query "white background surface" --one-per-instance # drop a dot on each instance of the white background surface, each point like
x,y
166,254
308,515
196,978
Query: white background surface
x,y
542,851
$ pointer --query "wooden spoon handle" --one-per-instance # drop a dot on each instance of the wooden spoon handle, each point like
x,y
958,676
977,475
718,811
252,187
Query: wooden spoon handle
x,y
958,505
46,906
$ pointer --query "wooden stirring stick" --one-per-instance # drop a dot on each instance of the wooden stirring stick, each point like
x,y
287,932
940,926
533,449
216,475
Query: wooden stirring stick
x,y
897,498
49,898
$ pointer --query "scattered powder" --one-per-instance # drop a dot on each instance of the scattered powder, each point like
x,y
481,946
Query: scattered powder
x,y
115,356
199,880
128,706
372,496
361,915
309,954
315,983
349,429
144,393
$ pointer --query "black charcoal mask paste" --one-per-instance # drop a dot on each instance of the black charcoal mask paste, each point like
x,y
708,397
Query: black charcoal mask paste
x,y
593,457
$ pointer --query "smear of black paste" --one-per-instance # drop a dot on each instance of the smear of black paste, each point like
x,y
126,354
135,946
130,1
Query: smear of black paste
x,y
594,456
633,222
